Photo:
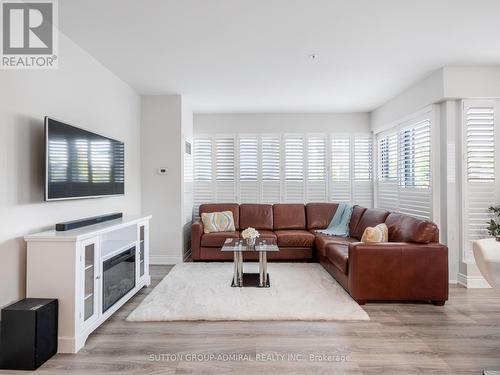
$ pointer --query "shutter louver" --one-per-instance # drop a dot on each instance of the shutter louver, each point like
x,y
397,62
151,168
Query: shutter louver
x,y
480,143
294,169
404,169
203,173
225,184
271,169
340,168
480,170
415,195
362,184
316,169
249,169
387,184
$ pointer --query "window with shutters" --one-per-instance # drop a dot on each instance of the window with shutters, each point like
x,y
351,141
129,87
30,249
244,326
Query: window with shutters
x,y
249,169
225,182
414,163
362,187
480,146
387,182
294,188
415,155
340,168
316,169
404,168
203,172
273,168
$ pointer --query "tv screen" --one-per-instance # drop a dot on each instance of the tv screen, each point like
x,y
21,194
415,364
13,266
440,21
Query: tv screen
x,y
81,164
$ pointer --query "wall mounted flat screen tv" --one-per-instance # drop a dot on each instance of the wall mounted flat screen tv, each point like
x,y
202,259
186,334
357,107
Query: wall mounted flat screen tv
x,y
81,164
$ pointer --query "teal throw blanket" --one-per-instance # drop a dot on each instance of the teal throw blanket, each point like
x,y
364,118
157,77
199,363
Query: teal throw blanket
x,y
339,226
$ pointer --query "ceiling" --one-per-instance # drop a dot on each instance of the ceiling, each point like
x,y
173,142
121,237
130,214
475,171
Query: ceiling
x,y
253,55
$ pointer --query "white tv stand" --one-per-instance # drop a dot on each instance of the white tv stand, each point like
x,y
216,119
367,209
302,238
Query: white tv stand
x,y
69,266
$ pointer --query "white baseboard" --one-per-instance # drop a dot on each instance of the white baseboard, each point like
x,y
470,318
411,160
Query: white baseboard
x,y
472,281
164,259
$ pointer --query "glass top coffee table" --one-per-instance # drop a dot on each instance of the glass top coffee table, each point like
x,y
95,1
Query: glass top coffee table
x,y
238,246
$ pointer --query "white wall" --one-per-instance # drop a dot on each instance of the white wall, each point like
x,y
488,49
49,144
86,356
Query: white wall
x,y
450,82
281,123
161,140
166,123
471,82
81,92
428,91
450,178
187,180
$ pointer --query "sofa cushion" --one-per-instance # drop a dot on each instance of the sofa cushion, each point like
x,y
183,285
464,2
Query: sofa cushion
x,y
319,215
289,216
379,233
370,218
219,207
258,216
267,235
339,255
218,221
321,240
404,228
357,212
217,239
295,238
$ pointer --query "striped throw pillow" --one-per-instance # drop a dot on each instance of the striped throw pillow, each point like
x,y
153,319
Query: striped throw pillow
x,y
218,222
378,234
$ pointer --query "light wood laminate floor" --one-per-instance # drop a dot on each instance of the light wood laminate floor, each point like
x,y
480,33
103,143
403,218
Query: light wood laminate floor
x,y
463,337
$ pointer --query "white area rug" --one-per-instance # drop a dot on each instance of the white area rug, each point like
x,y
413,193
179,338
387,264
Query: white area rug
x,y
202,291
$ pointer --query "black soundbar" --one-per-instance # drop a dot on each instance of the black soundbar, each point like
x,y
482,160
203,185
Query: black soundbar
x,y
68,225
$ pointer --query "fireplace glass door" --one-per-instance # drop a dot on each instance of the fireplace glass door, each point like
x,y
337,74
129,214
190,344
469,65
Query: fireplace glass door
x,y
118,277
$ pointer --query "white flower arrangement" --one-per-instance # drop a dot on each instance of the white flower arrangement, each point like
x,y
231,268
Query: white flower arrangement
x,y
250,233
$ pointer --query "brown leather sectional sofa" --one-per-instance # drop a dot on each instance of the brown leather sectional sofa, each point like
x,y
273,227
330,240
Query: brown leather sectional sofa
x,y
412,266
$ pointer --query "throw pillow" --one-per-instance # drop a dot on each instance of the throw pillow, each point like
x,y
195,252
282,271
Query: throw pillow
x,y
218,222
378,234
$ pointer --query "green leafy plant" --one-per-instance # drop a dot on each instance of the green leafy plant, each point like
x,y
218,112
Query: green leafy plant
x,y
494,224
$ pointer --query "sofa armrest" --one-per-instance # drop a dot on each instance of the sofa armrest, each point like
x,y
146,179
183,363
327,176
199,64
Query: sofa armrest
x,y
398,271
196,233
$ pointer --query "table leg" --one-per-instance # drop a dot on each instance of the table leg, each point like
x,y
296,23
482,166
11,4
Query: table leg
x,y
235,272
264,266
261,272
240,269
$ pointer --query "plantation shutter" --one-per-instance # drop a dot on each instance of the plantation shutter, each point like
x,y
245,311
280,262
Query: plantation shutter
x,y
225,184
387,179
481,171
415,194
404,168
316,169
203,172
249,169
271,168
362,187
340,168
294,169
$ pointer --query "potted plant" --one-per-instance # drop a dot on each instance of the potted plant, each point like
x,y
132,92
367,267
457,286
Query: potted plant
x,y
250,235
494,224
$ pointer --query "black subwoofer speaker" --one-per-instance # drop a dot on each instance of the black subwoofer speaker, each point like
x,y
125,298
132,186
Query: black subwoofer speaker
x,y
29,333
